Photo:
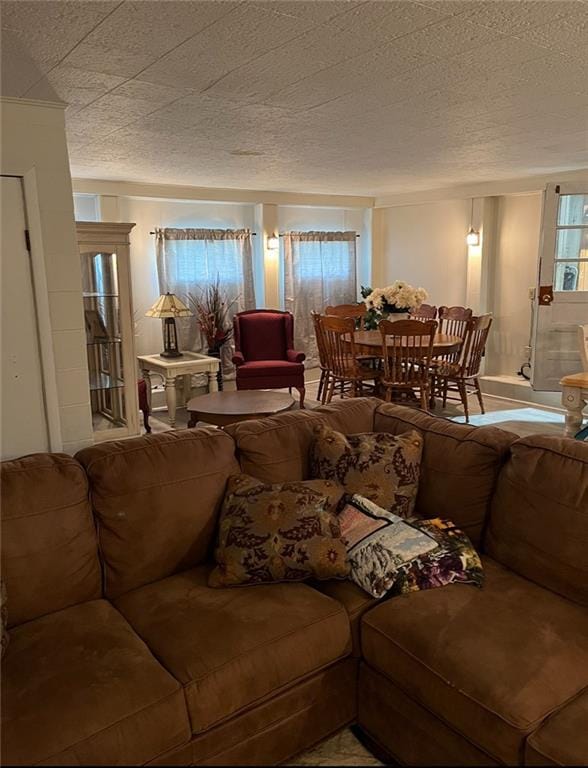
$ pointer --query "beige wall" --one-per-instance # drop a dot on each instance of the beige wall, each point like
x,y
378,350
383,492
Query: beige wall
x,y
424,245
34,146
515,271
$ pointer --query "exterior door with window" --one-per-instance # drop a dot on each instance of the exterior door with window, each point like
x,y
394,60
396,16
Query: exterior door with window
x,y
561,304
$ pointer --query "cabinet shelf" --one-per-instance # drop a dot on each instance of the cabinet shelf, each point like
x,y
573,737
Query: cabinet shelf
x,y
102,381
98,342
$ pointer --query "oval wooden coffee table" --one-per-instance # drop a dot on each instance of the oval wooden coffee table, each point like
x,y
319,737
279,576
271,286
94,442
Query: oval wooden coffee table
x,y
222,408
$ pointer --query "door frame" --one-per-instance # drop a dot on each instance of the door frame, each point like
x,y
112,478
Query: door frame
x,y
547,244
32,214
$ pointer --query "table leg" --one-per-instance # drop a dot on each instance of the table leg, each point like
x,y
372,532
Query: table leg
x,y
187,386
170,397
574,404
212,381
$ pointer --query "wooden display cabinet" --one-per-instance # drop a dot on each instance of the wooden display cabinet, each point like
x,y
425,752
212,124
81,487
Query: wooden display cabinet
x,y
110,342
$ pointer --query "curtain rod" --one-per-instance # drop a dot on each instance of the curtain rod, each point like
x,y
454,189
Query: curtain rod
x,y
283,234
154,233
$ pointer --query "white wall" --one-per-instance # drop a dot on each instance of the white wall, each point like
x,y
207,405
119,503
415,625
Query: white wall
x,y
147,214
424,245
34,146
515,271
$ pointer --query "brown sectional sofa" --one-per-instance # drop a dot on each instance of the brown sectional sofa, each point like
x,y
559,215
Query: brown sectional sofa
x,y
121,654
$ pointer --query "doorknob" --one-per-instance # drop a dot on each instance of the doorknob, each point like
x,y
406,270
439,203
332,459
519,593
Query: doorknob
x,y
545,295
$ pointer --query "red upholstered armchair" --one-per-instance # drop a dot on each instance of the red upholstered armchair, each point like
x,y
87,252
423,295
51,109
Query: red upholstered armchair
x,y
264,353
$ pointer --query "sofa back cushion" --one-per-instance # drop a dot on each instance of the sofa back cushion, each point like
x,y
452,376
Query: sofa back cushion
x,y
538,523
49,547
156,500
277,449
459,466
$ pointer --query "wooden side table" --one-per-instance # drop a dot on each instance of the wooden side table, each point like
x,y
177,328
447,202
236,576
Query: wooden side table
x,y
574,398
170,368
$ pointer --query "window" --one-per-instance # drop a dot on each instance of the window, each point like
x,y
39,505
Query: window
x,y
571,244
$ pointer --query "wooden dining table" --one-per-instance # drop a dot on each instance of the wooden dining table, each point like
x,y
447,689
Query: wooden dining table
x,y
370,343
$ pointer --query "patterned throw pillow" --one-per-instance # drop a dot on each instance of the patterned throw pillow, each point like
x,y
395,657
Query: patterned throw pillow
x,y
4,618
378,544
381,467
454,560
287,532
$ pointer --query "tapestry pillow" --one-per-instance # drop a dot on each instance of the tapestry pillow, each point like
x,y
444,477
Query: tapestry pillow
x,y
378,544
381,467
454,560
3,618
286,532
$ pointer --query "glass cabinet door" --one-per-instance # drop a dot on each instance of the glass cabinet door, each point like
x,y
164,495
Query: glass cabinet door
x,y
103,339
109,328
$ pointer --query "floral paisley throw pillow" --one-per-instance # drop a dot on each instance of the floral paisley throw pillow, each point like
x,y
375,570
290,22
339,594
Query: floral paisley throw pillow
x,y
378,544
382,468
286,532
454,560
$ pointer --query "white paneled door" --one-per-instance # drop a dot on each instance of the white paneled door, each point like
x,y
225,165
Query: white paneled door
x,y
23,421
561,303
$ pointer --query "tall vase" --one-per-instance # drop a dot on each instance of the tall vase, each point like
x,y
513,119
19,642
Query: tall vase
x,y
216,352
394,316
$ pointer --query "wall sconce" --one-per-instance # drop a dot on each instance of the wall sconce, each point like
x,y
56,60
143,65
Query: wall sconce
x,y
473,236
273,242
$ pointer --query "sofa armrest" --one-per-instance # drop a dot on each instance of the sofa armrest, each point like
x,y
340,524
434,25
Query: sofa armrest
x,y
238,359
295,357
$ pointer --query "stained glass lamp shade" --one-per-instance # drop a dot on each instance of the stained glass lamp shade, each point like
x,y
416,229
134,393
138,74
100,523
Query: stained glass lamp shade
x,y
167,308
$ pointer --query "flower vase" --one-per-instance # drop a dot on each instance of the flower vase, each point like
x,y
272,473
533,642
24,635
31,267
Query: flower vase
x,y
216,352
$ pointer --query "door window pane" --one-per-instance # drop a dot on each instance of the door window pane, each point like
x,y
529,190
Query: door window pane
x,y
572,244
571,276
573,210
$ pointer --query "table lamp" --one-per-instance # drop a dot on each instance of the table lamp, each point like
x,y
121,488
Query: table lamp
x,y
168,307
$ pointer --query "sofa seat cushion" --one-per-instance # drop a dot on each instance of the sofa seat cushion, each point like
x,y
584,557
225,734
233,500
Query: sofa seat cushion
x,y
269,368
563,738
79,687
232,647
353,598
493,663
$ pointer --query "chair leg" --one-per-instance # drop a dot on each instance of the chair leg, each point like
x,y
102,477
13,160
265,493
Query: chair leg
x,y
146,421
319,393
479,394
326,385
354,388
425,399
445,386
329,391
302,392
464,399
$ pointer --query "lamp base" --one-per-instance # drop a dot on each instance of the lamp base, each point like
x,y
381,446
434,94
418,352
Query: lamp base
x,y
171,353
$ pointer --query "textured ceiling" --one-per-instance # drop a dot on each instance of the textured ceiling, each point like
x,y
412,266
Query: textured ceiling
x,y
336,96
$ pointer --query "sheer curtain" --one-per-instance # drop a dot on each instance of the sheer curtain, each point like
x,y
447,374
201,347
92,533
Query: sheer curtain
x,y
319,269
190,259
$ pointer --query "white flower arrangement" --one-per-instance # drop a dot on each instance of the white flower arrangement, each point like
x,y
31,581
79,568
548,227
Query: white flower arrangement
x,y
393,299
398,297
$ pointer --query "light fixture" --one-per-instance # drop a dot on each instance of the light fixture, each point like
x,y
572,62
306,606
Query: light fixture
x,y
168,307
273,242
473,236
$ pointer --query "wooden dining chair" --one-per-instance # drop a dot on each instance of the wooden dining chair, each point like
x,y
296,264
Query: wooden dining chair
x,y
462,375
323,361
356,311
407,347
338,335
424,312
453,321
